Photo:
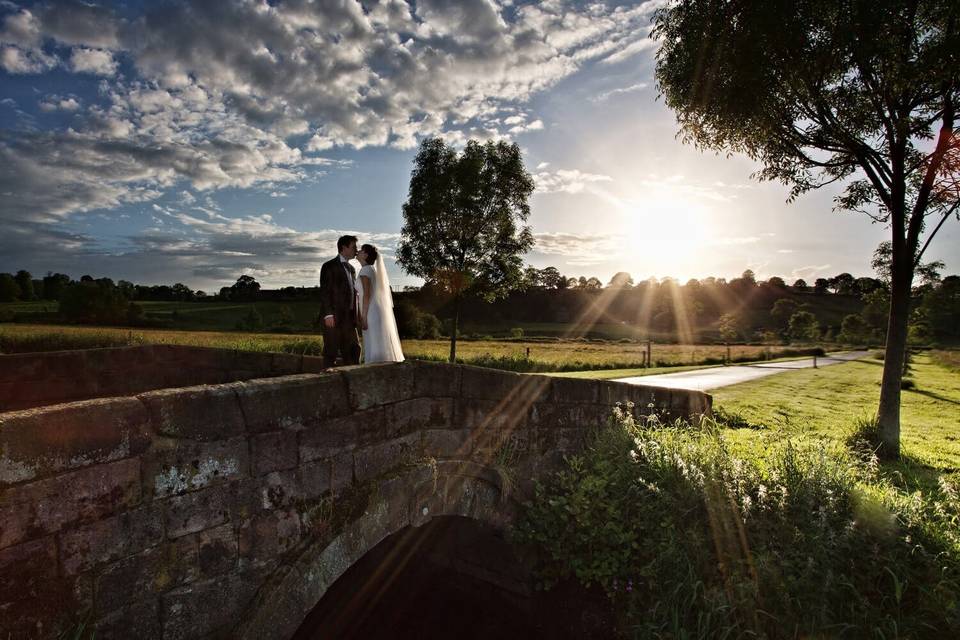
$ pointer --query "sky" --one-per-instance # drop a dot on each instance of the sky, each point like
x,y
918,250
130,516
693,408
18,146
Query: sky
x,y
196,141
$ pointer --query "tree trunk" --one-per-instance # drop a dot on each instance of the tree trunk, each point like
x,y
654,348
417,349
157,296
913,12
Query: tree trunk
x,y
453,332
888,414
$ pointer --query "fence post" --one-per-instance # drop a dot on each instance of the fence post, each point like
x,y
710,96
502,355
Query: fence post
x,y
528,353
726,362
649,362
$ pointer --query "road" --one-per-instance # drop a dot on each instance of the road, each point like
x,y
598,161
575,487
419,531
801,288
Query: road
x,y
715,377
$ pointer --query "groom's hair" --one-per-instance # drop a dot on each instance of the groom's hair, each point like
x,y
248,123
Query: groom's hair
x,y
345,241
372,252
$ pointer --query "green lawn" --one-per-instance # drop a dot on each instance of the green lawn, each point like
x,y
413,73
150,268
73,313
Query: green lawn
x,y
824,403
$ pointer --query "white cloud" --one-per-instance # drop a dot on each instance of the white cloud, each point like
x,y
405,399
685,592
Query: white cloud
x,y
566,180
55,103
810,271
220,88
606,95
95,61
574,245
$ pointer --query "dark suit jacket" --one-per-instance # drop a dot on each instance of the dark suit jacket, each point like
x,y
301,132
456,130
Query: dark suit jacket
x,y
336,294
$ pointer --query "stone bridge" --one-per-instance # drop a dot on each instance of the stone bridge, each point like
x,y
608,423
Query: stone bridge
x,y
229,508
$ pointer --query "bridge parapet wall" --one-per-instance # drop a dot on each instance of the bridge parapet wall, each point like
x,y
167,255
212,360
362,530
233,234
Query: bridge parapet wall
x,y
171,513
36,379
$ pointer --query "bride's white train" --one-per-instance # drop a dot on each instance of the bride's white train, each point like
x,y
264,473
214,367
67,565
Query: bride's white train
x,y
381,340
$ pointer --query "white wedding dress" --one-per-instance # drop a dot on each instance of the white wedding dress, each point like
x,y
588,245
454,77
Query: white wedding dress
x,y
381,341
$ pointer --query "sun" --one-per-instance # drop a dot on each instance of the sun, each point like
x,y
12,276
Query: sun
x,y
667,235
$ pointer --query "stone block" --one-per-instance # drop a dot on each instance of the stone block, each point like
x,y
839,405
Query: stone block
x,y
146,574
331,437
420,413
140,620
270,534
208,608
110,539
342,475
196,511
572,390
205,413
292,402
502,448
23,367
285,364
378,384
217,550
448,443
482,415
37,443
312,364
436,380
174,467
569,416
281,489
27,569
563,440
274,451
47,505
377,459
513,389
315,478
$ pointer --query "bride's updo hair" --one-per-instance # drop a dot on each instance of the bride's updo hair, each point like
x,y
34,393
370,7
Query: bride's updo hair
x,y
371,253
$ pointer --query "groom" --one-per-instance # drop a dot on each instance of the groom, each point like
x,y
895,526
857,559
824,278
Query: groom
x,y
339,305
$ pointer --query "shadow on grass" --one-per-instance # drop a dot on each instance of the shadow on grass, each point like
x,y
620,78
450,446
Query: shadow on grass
x,y
911,474
931,394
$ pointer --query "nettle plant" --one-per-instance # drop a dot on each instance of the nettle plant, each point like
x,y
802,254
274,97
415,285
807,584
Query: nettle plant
x,y
685,536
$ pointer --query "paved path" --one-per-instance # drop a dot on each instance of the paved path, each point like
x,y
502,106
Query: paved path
x,y
713,378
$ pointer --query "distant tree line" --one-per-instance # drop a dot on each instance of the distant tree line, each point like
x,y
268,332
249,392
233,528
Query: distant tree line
x,y
843,307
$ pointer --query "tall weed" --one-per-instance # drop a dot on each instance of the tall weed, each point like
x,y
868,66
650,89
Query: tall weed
x,y
690,540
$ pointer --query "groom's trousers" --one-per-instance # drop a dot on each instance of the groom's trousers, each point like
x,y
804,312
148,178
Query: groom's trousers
x,y
341,340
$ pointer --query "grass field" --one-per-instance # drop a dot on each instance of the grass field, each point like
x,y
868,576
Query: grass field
x,y
543,355
825,404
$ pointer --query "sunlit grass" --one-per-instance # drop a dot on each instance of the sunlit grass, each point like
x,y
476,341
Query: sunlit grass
x,y
533,355
825,403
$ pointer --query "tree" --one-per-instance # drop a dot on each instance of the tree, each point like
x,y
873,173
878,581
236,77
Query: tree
x,y
853,329
782,310
25,282
800,284
9,289
926,272
803,326
54,284
843,284
552,278
732,327
463,221
245,288
532,278
621,280
821,92
777,282
820,285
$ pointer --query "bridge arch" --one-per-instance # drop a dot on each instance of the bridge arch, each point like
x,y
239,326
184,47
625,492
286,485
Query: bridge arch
x,y
412,497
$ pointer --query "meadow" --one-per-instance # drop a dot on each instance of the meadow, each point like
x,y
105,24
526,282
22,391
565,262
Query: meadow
x,y
773,520
529,355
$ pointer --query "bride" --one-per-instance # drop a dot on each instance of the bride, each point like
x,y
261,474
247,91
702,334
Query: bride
x,y
381,342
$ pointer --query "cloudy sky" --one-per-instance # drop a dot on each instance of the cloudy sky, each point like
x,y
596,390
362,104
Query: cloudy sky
x,y
197,140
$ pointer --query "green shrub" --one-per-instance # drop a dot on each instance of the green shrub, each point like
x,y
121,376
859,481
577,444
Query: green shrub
x,y
690,540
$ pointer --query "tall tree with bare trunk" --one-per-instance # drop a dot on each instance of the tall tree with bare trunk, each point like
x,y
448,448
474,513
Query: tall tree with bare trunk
x,y
858,92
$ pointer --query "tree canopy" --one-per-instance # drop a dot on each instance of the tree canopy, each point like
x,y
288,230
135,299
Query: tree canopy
x,y
464,220
862,93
